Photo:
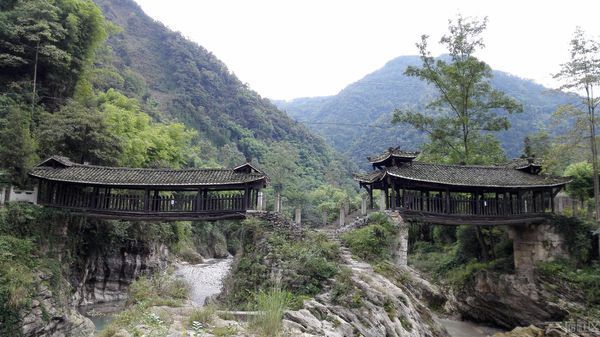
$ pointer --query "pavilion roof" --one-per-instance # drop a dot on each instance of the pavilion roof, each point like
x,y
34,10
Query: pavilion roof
x,y
63,170
465,176
392,152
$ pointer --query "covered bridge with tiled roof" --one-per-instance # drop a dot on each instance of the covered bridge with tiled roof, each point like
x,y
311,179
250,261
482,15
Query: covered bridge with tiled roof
x,y
140,193
511,193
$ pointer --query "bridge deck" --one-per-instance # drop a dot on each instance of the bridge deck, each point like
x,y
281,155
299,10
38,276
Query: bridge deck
x,y
458,210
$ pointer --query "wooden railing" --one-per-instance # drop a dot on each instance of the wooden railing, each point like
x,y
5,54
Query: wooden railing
x,y
217,202
456,205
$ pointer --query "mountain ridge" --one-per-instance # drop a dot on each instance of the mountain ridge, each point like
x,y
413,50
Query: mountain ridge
x,y
177,79
370,101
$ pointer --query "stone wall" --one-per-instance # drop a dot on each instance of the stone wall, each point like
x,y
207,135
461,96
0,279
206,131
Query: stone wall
x,y
401,253
533,244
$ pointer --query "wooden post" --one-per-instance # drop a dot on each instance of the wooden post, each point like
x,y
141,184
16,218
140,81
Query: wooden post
x,y
371,204
277,202
246,199
448,201
259,201
363,206
95,198
146,200
497,206
298,219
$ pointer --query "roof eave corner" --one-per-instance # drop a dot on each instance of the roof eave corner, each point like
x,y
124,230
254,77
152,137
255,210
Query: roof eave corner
x,y
62,161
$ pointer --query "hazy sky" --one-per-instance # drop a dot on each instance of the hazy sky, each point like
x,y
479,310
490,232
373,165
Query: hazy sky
x,y
288,49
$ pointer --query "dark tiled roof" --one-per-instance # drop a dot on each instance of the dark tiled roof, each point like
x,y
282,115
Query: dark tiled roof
x,y
369,177
118,176
474,175
522,163
465,175
392,152
63,161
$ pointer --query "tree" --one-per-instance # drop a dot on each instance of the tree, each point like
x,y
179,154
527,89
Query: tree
x,y
17,153
581,185
467,105
580,75
81,133
49,43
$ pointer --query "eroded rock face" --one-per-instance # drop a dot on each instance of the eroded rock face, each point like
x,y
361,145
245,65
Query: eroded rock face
x,y
551,330
49,316
386,308
509,301
107,273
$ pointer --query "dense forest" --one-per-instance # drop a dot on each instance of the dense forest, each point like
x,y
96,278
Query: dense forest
x,y
127,91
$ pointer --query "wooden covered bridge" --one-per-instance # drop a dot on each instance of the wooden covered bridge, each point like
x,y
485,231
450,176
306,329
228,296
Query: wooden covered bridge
x,y
512,193
149,194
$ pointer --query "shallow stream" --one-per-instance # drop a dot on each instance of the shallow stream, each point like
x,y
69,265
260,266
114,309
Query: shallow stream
x,y
458,328
205,279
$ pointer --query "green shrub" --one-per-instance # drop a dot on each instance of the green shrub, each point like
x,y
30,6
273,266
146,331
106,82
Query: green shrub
x,y
373,242
577,235
270,306
397,275
206,315
158,289
587,278
344,292
307,260
189,255
17,281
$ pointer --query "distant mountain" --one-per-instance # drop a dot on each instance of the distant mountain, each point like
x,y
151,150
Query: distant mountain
x,y
178,79
371,100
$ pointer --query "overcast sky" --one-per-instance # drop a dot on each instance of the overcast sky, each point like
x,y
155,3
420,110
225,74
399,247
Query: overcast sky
x,y
288,49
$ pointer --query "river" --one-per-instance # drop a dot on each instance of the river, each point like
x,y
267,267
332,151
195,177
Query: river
x,y
205,279
458,328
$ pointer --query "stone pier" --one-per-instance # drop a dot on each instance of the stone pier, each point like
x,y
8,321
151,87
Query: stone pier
x,y
401,253
533,244
342,217
298,217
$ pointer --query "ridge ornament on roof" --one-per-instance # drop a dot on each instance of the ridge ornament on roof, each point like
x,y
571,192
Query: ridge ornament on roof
x,y
149,194
63,170
516,192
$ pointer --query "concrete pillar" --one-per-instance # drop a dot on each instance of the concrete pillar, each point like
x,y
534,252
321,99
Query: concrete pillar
x,y
264,202
2,195
401,253
342,216
363,206
277,202
533,244
298,218
382,201
324,217
259,201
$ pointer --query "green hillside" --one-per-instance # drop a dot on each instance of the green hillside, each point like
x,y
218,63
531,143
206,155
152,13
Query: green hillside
x,y
186,82
371,100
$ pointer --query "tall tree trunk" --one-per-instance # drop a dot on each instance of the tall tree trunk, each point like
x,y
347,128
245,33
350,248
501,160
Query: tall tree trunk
x,y
592,116
482,244
35,66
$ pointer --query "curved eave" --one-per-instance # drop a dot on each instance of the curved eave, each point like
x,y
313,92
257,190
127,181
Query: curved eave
x,y
96,183
558,184
362,179
379,160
